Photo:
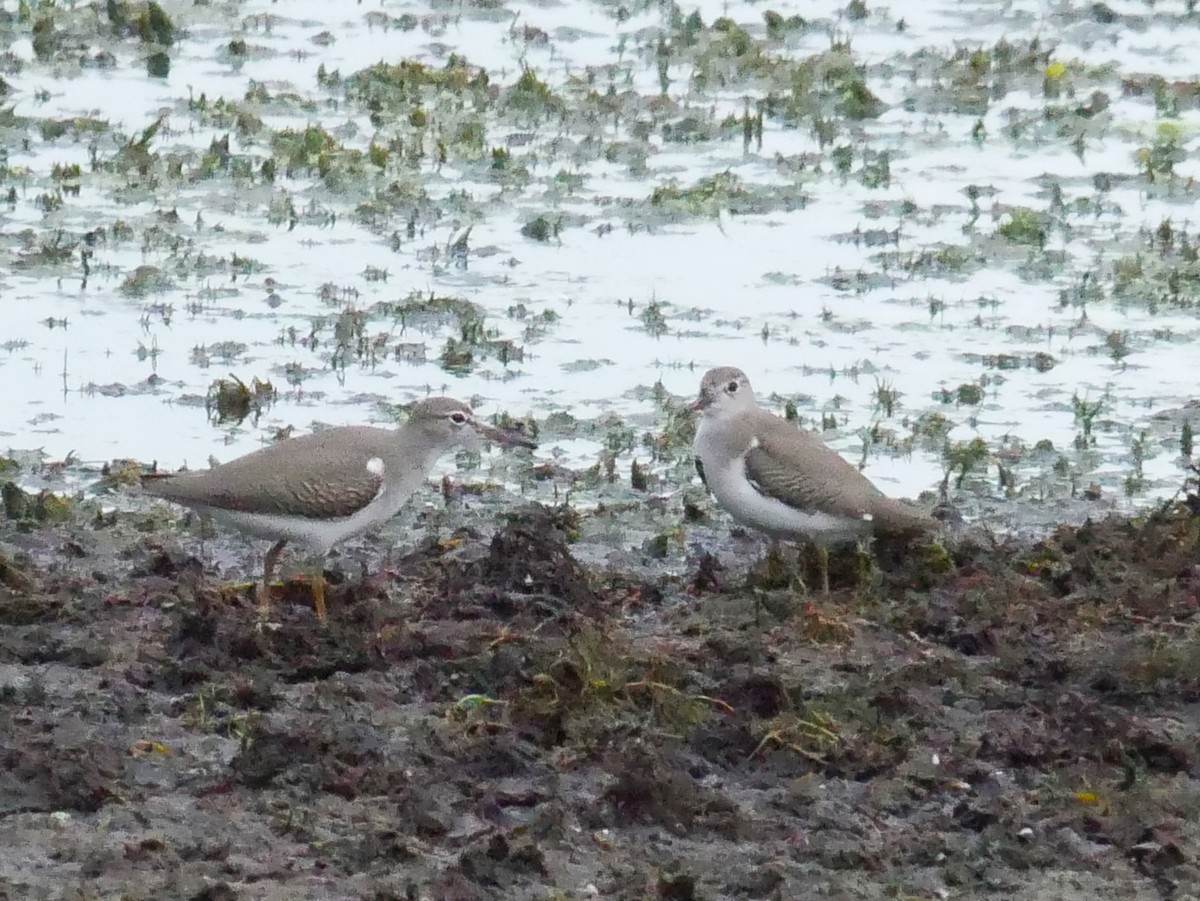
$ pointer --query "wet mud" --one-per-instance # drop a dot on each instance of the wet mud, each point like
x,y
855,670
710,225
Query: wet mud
x,y
489,713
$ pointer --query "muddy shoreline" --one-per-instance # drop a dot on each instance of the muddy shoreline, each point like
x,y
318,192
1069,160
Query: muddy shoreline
x,y
487,716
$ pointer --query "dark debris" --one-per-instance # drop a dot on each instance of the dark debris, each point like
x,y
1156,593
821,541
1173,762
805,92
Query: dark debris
x,y
488,717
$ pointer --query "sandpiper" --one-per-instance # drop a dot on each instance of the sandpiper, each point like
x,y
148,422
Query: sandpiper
x,y
320,489
772,476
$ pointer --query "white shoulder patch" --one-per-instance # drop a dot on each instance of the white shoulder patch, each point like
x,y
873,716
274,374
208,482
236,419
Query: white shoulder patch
x,y
868,517
375,466
753,443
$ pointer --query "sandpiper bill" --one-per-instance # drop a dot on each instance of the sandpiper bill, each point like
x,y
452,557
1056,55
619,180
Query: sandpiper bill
x,y
320,489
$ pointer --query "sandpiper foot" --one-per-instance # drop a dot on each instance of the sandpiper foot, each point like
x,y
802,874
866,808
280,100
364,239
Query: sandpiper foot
x,y
233,590
316,586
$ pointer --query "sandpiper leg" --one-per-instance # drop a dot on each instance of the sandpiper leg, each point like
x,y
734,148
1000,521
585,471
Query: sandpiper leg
x,y
318,591
269,563
823,557
797,578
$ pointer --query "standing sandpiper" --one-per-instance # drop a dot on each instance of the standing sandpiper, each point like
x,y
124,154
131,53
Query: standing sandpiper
x,y
774,477
320,489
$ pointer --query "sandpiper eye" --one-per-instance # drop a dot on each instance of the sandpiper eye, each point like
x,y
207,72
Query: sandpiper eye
x,y
458,418
732,387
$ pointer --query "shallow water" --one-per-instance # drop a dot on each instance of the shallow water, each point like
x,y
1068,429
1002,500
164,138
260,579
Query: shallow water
x,y
813,291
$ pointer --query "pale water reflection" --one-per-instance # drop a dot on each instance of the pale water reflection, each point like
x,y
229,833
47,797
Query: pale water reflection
x,y
825,278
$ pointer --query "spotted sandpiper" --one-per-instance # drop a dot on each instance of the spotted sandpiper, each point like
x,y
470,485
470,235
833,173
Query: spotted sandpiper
x,y
772,476
320,489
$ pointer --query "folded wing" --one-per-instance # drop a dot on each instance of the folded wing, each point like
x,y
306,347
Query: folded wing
x,y
794,466
320,476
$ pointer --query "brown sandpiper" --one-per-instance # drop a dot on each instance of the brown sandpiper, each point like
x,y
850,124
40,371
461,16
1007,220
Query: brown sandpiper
x,y
317,490
784,481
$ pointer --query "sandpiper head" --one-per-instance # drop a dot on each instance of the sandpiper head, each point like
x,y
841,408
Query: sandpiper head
x,y
723,390
450,423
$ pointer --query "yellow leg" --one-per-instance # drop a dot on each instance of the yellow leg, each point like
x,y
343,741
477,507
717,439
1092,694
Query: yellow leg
x,y
269,563
823,557
318,590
